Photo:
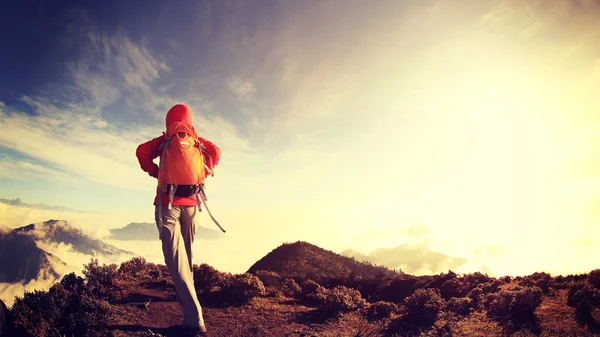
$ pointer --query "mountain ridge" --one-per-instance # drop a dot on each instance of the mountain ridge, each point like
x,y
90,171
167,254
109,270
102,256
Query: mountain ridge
x,y
23,260
19,203
146,231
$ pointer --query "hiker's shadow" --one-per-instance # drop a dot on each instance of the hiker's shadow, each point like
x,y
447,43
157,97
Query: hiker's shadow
x,y
313,316
172,331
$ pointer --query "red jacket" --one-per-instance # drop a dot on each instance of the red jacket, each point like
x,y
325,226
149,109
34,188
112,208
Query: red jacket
x,y
148,151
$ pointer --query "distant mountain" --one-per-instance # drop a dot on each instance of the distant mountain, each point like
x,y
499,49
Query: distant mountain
x,y
409,258
146,231
59,231
360,257
17,202
21,258
303,260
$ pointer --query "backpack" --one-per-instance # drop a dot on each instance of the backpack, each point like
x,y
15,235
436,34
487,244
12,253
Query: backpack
x,y
183,161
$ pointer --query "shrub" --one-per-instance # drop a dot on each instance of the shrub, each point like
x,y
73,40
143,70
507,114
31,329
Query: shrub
x,y
340,299
423,306
269,278
489,287
584,298
309,287
440,279
134,268
472,280
505,279
380,310
452,288
207,277
594,278
100,280
66,309
476,296
398,289
317,296
368,285
517,305
241,288
459,305
291,288
538,279
75,284
27,314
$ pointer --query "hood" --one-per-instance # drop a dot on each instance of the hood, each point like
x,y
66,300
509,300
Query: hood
x,y
179,112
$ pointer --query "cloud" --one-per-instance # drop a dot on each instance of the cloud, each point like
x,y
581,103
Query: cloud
x,y
417,231
21,169
89,127
241,88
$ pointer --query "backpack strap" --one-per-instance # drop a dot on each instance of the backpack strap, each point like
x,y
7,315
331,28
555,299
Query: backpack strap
x,y
172,195
206,155
162,148
159,220
203,200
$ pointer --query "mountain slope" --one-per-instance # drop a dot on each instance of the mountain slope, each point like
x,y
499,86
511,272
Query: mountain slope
x,y
304,260
21,259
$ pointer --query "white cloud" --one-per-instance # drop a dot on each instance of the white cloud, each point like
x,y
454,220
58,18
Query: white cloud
x,y
12,168
241,88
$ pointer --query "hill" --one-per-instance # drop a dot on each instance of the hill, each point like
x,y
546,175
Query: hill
x,y
302,260
22,261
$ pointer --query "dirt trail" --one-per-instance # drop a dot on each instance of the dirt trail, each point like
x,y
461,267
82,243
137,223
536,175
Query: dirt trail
x,y
151,310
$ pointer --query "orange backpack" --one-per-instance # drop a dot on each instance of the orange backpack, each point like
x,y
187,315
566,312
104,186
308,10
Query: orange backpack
x,y
182,166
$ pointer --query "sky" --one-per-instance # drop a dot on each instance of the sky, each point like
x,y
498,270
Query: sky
x,y
341,123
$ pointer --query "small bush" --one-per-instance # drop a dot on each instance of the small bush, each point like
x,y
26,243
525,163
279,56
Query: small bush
x,y
477,297
539,279
381,310
100,280
423,306
517,305
207,277
309,287
68,308
451,288
397,290
339,300
459,305
291,288
505,279
75,284
490,287
317,297
133,269
584,298
269,278
241,288
594,278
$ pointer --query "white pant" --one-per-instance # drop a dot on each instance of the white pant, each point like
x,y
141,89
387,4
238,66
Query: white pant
x,y
177,236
